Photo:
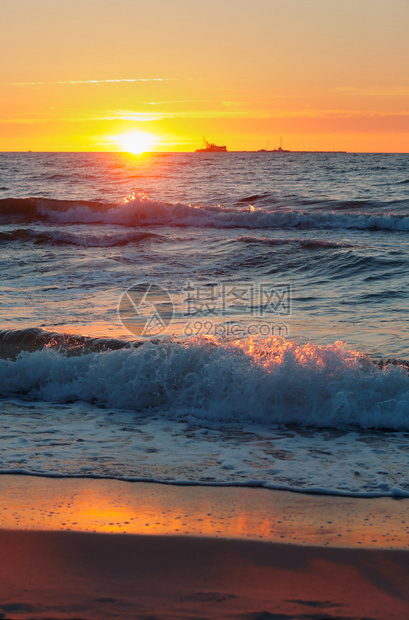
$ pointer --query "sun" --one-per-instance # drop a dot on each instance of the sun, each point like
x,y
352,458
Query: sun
x,y
136,141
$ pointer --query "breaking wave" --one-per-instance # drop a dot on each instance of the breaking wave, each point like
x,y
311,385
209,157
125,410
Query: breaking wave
x,y
13,342
140,210
268,382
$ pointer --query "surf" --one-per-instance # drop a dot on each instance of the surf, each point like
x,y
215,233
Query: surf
x,y
140,210
269,382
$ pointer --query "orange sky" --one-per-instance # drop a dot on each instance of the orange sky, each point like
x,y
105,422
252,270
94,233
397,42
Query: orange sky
x,y
324,74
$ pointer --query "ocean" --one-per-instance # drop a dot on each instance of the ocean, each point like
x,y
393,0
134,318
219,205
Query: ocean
x,y
207,318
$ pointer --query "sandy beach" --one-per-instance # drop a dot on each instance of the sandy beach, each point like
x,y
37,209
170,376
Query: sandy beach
x,y
76,575
197,552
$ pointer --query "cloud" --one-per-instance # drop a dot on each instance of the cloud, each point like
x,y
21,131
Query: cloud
x,y
331,116
114,81
129,115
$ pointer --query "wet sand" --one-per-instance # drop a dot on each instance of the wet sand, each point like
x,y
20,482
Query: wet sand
x,y
191,552
92,505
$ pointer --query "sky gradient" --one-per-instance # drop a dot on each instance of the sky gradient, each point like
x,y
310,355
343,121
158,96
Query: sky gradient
x,y
323,74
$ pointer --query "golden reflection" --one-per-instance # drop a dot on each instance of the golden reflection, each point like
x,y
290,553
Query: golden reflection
x,y
140,196
140,508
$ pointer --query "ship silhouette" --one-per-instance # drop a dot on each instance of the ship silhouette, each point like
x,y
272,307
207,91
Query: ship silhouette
x,y
280,148
209,147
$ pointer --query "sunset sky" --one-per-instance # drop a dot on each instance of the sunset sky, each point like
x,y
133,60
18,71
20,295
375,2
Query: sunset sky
x,y
323,74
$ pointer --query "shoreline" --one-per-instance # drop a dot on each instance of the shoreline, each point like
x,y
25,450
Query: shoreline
x,y
247,513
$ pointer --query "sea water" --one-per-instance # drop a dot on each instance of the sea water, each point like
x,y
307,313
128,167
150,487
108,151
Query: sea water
x,y
280,355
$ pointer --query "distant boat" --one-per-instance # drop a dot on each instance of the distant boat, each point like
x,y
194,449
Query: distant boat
x,y
280,148
264,150
209,147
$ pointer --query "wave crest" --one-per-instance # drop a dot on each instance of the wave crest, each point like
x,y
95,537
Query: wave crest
x,y
269,382
140,210
13,342
306,243
56,237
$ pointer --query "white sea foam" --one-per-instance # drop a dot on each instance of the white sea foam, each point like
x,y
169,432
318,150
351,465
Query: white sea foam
x,y
268,382
139,210
78,439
